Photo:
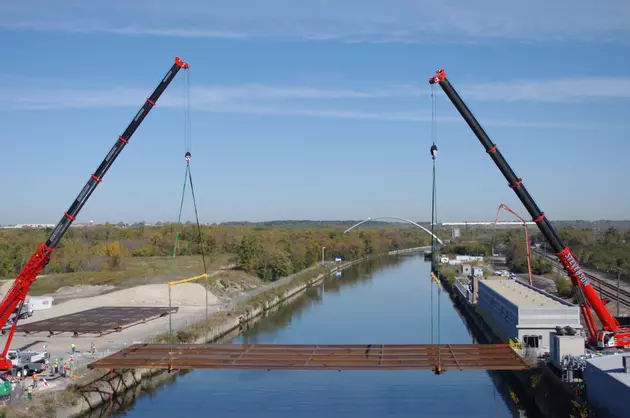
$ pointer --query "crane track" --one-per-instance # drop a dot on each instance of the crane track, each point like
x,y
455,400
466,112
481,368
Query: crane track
x,y
603,286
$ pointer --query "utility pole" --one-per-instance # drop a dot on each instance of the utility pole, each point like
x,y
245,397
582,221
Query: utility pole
x,y
323,248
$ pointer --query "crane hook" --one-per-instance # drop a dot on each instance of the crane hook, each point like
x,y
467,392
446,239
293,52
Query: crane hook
x,y
187,157
434,151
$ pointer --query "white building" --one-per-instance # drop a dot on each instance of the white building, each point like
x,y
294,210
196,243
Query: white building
x,y
525,312
468,258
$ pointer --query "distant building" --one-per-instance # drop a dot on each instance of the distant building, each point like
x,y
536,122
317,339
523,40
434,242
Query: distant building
x,y
32,226
468,258
477,271
455,233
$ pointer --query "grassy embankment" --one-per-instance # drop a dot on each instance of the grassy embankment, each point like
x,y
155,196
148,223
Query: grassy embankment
x,y
137,271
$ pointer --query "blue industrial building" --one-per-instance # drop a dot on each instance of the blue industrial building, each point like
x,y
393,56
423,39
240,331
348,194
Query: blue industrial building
x,y
607,381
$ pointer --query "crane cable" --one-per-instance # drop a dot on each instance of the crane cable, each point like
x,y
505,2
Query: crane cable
x,y
432,202
187,179
188,140
435,271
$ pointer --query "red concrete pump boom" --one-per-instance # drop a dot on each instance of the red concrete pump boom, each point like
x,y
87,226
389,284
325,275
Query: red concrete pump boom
x,y
612,334
38,261
527,244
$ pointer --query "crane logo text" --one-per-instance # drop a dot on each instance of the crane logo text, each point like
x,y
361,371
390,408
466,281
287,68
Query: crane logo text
x,y
571,263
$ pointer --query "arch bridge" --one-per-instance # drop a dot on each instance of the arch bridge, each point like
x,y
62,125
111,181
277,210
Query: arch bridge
x,y
398,219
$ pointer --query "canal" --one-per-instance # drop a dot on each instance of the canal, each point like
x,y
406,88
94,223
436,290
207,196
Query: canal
x,y
387,300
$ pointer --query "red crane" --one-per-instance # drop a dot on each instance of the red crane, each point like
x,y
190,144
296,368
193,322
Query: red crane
x,y
529,249
612,333
38,261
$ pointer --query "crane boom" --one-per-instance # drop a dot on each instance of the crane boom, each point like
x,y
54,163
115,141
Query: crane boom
x,y
587,295
40,258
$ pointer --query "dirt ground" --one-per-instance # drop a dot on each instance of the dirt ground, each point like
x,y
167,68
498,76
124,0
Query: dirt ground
x,y
190,298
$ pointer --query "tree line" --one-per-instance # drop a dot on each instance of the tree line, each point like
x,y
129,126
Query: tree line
x,y
266,252
607,249
602,248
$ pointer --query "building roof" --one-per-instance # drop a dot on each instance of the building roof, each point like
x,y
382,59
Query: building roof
x,y
613,365
522,295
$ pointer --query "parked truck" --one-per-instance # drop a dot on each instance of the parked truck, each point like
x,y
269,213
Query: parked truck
x,y
24,363
27,310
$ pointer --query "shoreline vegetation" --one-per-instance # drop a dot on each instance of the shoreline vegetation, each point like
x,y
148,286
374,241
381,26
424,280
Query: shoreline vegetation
x,y
112,255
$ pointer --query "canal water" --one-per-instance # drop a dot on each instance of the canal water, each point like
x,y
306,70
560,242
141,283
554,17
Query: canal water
x,y
383,301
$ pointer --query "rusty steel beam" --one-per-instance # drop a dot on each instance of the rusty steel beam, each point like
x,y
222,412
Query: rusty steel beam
x,y
98,320
315,357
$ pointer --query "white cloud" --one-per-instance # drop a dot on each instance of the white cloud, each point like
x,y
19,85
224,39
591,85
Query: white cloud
x,y
201,96
350,20
419,115
558,90
290,101
586,90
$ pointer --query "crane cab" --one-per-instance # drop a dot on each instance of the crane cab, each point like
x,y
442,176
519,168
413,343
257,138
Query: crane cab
x,y
606,339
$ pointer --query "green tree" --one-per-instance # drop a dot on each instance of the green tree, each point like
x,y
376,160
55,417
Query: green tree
x,y
249,254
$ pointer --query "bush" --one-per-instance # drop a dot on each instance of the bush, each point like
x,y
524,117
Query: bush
x,y
563,287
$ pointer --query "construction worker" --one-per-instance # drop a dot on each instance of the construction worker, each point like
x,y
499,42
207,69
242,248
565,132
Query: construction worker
x,y
74,348
65,369
29,393
34,380
93,348
56,366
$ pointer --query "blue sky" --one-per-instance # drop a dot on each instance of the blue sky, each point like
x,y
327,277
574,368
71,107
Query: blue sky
x,y
314,110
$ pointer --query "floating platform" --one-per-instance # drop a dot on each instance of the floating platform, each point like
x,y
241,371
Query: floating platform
x,y
315,357
100,321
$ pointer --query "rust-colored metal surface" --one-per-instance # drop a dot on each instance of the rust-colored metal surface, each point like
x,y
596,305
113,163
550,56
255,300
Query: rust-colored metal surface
x,y
98,320
315,357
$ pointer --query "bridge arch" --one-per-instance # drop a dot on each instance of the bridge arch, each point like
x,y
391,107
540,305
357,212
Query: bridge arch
x,y
398,219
